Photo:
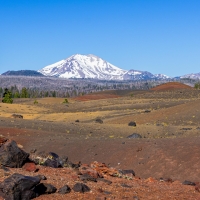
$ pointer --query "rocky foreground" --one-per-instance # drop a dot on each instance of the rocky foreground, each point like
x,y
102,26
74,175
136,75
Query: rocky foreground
x,y
43,175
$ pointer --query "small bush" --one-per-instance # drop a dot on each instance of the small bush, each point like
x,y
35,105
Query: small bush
x,y
35,102
66,101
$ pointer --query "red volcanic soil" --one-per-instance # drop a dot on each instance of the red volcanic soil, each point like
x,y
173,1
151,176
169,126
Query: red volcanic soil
x,y
171,86
150,156
95,96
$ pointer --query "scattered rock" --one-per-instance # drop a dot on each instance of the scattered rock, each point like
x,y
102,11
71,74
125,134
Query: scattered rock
x,y
127,174
77,120
45,188
71,165
52,160
86,169
188,183
30,167
17,116
132,123
127,171
38,158
41,177
103,170
87,177
19,187
125,185
80,187
169,180
107,192
98,120
64,190
11,155
104,180
186,129
134,135
147,111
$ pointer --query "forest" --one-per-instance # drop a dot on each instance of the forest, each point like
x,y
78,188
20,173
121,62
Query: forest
x,y
39,87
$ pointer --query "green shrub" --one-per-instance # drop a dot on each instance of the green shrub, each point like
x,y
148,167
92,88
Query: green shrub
x,y
35,102
197,86
7,96
66,101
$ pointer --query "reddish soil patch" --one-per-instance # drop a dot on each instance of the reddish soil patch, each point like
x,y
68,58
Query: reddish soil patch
x,y
95,97
171,86
147,157
120,188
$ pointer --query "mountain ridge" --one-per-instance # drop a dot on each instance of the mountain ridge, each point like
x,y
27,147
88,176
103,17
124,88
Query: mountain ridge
x,y
92,66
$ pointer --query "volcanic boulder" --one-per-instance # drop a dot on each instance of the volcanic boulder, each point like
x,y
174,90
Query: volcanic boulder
x,y
11,155
19,187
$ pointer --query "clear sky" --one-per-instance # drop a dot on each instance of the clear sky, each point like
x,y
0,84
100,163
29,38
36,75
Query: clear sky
x,y
159,36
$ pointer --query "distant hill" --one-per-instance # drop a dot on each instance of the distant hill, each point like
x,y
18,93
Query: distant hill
x,y
171,86
22,73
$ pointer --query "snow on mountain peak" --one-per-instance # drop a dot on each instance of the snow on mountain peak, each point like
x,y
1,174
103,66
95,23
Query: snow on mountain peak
x,y
84,66
91,66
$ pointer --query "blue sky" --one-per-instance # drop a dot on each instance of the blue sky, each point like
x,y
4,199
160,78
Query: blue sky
x,y
159,36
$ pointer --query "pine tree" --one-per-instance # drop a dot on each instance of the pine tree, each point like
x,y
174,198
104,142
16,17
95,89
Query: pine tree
x,y
24,93
7,96
16,95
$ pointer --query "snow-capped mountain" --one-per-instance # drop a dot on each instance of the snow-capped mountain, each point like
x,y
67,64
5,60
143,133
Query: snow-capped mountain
x,y
91,66
84,66
191,76
161,76
137,75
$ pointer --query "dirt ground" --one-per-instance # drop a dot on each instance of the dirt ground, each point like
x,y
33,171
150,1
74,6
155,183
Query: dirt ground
x,y
167,120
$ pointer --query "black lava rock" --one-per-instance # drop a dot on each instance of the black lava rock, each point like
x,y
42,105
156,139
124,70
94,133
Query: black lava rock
x,y
64,190
80,187
45,188
87,177
11,155
127,171
188,183
132,123
98,120
53,160
19,187
134,135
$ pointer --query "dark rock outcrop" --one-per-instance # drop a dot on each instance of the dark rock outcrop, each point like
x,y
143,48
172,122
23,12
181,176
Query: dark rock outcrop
x,y
134,135
64,190
188,183
11,155
87,177
132,123
52,160
19,187
98,120
45,188
80,187
127,171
